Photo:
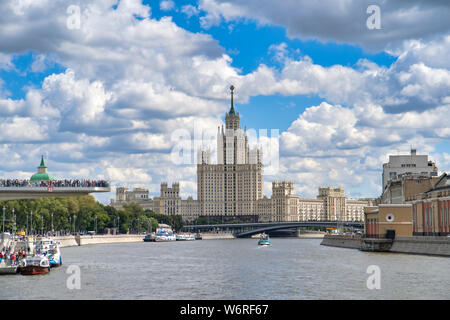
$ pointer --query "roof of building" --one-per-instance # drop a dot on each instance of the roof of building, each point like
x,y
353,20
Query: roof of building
x,y
42,165
42,176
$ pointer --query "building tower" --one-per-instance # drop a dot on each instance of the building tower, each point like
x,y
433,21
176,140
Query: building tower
x,y
230,188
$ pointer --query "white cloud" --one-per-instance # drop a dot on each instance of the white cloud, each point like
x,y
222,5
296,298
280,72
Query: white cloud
x,y
338,21
130,83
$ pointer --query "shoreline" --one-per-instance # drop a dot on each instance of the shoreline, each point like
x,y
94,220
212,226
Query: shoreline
x,y
417,245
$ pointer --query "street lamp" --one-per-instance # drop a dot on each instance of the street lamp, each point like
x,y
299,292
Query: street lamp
x,y
70,224
52,223
14,223
4,219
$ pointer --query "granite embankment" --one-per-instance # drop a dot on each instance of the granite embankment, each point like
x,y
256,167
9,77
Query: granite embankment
x,y
68,241
436,246
341,241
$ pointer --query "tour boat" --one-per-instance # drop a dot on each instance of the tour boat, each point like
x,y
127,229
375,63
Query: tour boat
x,y
149,238
49,248
185,237
34,265
162,236
264,240
8,268
164,233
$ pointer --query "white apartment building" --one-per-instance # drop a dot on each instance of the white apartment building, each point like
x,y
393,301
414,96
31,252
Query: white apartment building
x,y
407,164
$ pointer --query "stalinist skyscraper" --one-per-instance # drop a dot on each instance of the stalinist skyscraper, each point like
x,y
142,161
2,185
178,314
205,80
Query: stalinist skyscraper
x,y
230,189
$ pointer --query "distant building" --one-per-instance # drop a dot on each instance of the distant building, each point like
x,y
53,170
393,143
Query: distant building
x,y
232,189
431,209
407,164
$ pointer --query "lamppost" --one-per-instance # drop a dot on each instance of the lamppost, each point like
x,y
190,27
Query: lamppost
x,y
70,224
14,223
52,223
42,229
4,219
95,221
31,222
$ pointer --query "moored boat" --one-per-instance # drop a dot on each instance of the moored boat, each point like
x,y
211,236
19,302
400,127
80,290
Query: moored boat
x,y
185,237
49,248
8,269
149,238
34,265
163,236
264,240
164,233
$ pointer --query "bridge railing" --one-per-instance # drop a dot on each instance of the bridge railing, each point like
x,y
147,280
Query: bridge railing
x,y
66,183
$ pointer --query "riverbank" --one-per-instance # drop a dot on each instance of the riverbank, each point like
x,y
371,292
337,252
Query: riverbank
x,y
435,246
71,241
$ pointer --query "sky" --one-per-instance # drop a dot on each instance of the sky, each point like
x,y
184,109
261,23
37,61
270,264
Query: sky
x,y
109,89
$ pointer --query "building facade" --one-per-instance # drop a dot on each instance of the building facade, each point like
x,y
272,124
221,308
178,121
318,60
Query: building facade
x,y
407,164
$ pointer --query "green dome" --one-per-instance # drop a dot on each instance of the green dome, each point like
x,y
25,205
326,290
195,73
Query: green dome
x,y
41,176
42,173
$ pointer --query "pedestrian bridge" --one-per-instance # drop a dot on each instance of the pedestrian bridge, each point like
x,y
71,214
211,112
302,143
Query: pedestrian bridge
x,y
244,230
15,193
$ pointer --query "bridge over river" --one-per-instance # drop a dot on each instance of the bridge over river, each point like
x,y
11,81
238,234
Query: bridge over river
x,y
243,230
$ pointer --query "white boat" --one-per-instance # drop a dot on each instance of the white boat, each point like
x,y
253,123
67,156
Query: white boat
x,y
165,236
6,268
32,265
185,237
164,233
49,248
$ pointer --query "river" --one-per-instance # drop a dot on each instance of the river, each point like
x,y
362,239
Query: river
x,y
233,269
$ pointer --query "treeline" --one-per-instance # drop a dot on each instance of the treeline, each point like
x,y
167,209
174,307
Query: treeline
x,y
80,214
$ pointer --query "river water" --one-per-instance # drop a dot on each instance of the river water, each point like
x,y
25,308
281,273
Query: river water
x,y
233,269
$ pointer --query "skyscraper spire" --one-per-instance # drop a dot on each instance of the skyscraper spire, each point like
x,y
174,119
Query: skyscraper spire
x,y
232,104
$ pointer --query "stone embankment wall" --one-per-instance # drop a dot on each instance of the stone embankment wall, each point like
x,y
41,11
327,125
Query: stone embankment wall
x,y
422,245
68,241
341,241
438,246
212,236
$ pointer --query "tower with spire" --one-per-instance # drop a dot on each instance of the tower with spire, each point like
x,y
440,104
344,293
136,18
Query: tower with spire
x,y
231,187
42,174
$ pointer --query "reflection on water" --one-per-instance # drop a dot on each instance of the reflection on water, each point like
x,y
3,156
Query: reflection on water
x,y
233,269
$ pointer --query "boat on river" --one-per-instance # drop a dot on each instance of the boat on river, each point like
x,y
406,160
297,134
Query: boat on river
x,y
185,237
32,265
264,240
49,248
6,268
164,235
149,237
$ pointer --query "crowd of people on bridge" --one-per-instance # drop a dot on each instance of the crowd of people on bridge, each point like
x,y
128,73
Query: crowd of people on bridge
x,y
54,183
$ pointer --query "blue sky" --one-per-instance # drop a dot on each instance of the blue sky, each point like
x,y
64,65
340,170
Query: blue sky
x,y
103,100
